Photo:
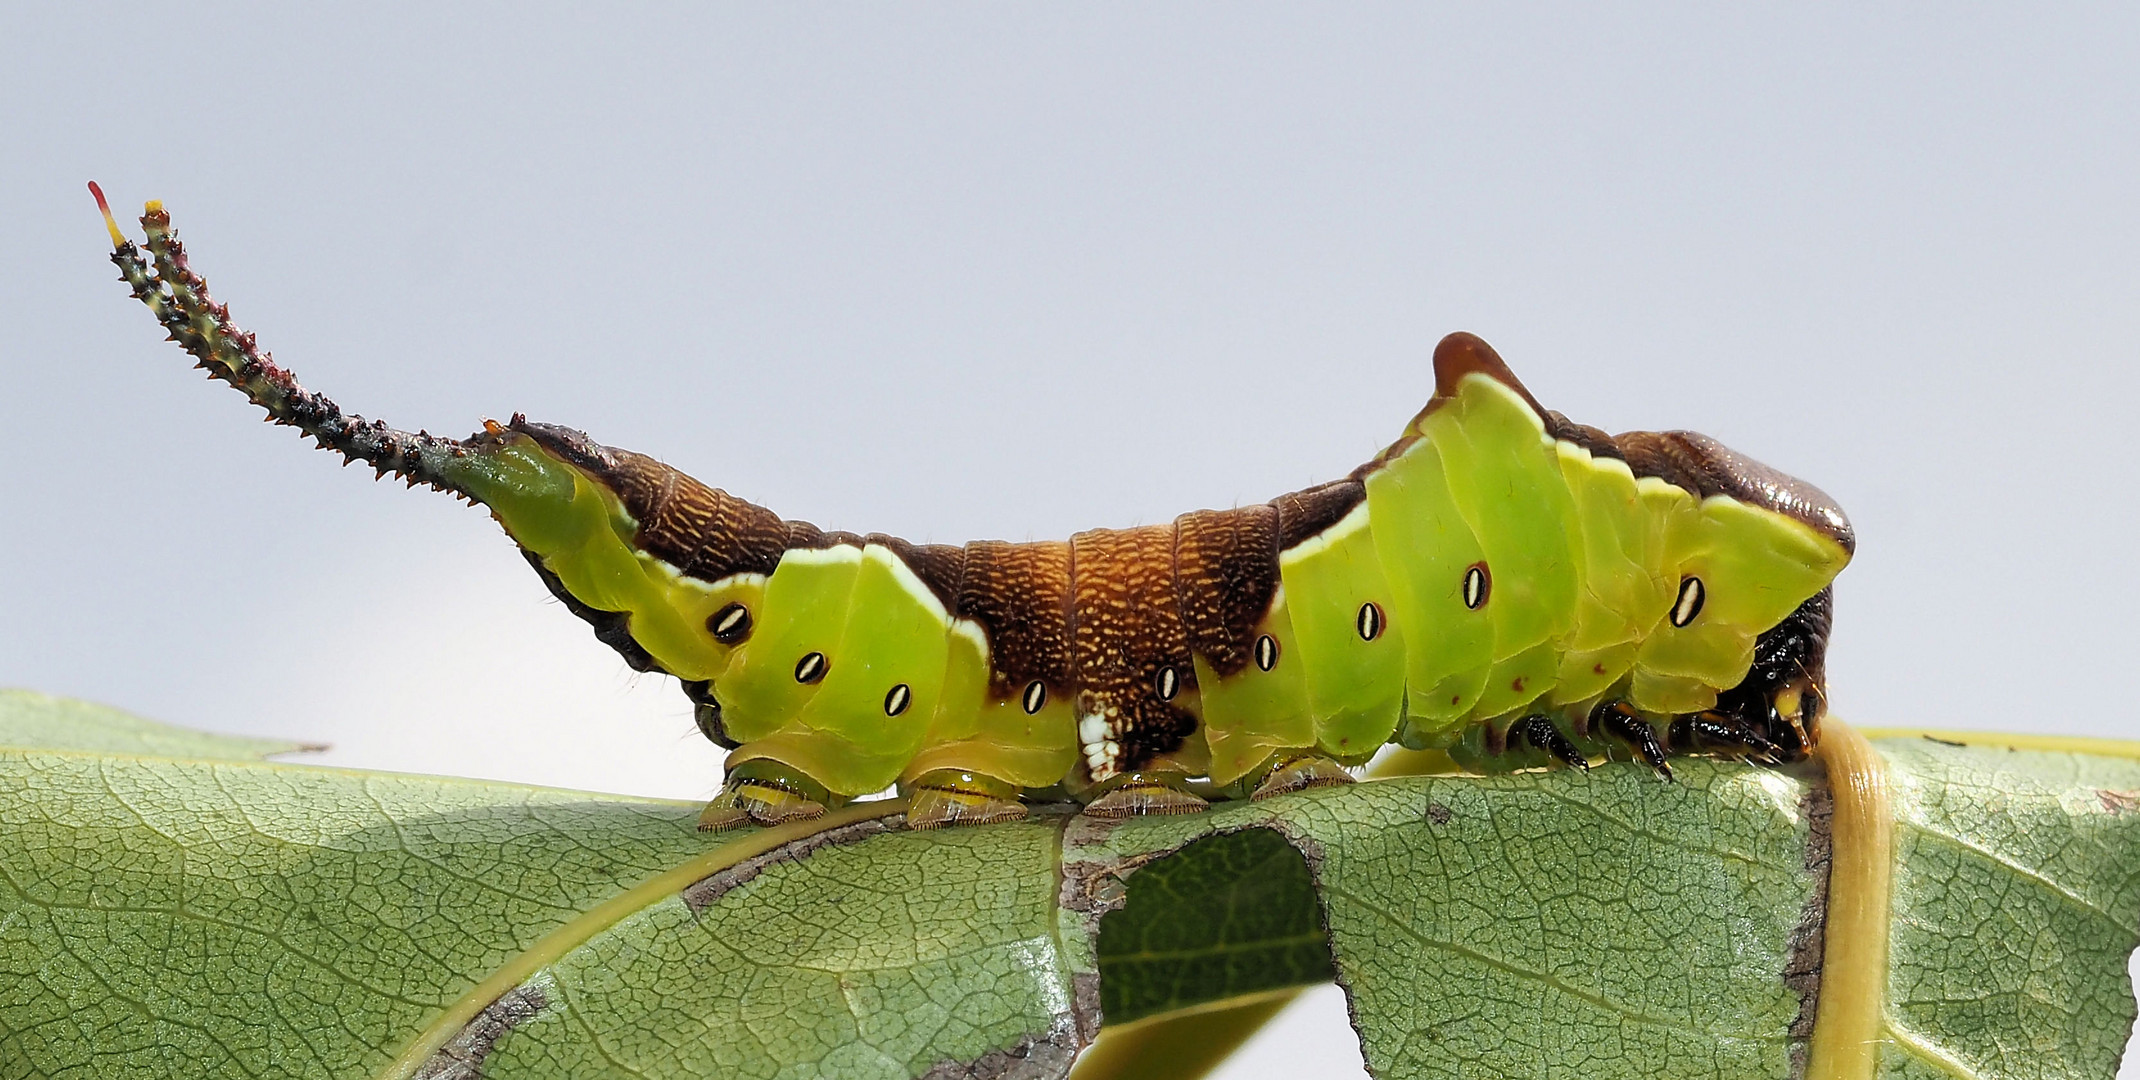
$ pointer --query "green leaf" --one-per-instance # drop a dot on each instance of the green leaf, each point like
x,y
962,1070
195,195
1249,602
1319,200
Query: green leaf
x,y
876,957
1228,916
1598,925
2017,902
174,915
166,917
30,720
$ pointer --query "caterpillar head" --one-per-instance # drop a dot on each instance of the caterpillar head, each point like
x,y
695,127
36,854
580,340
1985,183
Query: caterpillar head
x,y
1785,694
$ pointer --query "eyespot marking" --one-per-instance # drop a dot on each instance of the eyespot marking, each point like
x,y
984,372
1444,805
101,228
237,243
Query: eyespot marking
x,y
1478,585
898,699
1369,623
1036,695
729,625
1266,652
1691,595
810,668
1168,683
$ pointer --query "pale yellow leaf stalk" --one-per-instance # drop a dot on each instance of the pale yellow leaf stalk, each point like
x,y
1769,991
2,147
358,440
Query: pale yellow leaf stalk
x,y
1848,1023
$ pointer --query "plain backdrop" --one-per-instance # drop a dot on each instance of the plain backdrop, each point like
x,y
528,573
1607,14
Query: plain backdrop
x,y
1006,271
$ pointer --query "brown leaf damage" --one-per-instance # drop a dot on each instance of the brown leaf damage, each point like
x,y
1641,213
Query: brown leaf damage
x,y
463,1055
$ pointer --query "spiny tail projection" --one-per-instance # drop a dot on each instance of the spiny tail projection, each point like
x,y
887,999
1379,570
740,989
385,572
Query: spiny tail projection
x,y
179,299
1500,583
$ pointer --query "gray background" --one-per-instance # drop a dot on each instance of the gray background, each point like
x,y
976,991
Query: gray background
x,y
958,272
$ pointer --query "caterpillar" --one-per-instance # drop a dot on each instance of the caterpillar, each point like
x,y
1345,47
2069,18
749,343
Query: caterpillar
x,y
1500,583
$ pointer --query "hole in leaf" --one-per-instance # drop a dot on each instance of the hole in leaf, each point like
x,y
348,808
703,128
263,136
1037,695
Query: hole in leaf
x,y
1226,916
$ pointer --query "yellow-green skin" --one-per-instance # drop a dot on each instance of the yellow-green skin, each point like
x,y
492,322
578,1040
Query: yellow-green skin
x,y
861,606
1585,559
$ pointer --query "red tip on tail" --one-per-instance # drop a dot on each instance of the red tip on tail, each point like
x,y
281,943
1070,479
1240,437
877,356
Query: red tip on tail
x,y
118,239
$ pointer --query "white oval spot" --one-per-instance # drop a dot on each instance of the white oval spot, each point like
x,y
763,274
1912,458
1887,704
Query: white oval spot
x,y
1689,604
729,625
1369,621
1478,584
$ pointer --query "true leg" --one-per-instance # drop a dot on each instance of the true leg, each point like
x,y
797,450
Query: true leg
x,y
1617,719
1539,731
1716,732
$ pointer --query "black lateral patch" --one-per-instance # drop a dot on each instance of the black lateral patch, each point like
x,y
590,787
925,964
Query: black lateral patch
x,y
611,628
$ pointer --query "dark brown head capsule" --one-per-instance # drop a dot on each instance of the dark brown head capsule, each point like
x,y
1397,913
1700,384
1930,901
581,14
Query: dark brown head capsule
x,y
1785,693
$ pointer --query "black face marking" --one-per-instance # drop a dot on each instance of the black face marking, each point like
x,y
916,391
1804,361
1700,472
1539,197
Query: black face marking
x,y
1369,621
1689,604
1036,695
1266,652
729,625
1478,585
810,668
897,700
1168,683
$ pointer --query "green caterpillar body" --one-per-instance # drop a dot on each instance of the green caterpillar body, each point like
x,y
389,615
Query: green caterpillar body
x,y
1499,577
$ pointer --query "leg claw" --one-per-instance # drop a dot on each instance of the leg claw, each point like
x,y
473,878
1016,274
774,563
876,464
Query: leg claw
x,y
1541,733
1717,731
1616,719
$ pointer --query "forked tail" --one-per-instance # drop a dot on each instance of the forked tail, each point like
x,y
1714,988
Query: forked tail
x,y
179,299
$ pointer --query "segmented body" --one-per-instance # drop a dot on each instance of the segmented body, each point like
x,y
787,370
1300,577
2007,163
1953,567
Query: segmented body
x,y
1495,567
